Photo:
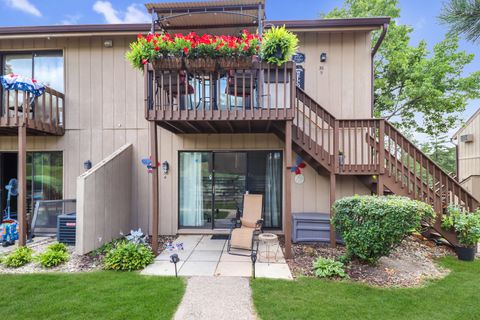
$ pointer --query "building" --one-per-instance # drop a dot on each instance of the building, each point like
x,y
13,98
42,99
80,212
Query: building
x,y
468,154
214,143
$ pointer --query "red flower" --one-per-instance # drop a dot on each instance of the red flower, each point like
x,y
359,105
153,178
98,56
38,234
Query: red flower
x,y
156,49
144,61
140,36
185,50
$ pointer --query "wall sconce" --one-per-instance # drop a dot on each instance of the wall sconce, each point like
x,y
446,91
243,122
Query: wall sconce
x,y
108,43
165,167
323,57
87,165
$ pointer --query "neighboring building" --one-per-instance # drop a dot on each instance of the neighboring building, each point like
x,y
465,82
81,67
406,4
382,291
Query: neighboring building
x,y
214,155
468,154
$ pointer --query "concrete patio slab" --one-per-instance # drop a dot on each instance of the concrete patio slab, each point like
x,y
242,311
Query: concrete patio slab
x,y
182,254
234,269
226,257
161,268
205,255
198,268
273,271
207,244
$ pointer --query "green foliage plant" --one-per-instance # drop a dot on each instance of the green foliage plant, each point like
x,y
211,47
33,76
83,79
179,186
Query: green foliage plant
x,y
20,257
329,268
58,247
278,45
466,225
128,256
372,226
51,258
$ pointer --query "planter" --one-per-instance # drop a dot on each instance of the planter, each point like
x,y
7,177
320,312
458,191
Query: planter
x,y
231,63
201,64
167,63
466,253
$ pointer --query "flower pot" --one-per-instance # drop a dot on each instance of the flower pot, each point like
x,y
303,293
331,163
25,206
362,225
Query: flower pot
x,y
167,63
230,63
200,64
466,253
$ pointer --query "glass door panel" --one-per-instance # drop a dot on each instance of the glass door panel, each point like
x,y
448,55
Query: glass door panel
x,y
195,186
229,188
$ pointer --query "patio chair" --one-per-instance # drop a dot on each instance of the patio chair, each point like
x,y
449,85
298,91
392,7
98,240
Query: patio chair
x,y
179,86
241,85
243,236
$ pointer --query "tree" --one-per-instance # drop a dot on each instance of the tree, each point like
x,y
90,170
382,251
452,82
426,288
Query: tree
x,y
463,17
443,155
418,90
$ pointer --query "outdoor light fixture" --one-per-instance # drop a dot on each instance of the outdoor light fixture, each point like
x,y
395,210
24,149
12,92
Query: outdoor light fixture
x,y
165,167
108,43
323,57
87,165
254,259
175,259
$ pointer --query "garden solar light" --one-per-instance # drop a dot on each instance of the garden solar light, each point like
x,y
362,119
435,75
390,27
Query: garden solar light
x,y
175,259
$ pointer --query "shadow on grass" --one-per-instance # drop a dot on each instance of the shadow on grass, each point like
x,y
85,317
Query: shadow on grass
x,y
454,297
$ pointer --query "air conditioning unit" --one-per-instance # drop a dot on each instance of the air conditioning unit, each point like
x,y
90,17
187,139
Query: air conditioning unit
x,y
466,138
67,228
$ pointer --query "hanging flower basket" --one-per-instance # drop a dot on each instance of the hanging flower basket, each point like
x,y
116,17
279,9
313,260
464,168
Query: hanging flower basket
x,y
230,63
200,64
167,63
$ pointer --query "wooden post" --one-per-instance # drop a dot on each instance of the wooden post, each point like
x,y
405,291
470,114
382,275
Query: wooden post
x,y
333,191
154,199
22,184
288,190
380,189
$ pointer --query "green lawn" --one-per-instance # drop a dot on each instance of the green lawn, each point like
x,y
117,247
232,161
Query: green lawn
x,y
98,295
455,297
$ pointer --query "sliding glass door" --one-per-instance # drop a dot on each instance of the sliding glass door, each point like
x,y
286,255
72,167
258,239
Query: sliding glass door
x,y
212,185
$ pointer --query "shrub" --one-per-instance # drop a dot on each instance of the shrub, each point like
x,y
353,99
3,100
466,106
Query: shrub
x,y
58,247
327,268
466,225
51,258
372,226
128,256
18,258
278,45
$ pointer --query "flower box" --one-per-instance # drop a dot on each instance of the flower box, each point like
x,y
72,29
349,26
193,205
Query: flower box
x,y
200,64
235,63
167,63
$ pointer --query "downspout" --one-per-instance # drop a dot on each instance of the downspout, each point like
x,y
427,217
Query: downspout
x,y
374,51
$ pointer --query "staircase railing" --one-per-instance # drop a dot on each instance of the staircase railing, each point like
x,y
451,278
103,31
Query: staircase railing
x,y
375,147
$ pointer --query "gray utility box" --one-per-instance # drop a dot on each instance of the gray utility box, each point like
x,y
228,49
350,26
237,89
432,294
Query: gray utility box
x,y
311,227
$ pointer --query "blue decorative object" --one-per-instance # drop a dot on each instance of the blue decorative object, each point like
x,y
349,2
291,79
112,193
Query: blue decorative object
x,y
299,164
148,163
8,226
16,82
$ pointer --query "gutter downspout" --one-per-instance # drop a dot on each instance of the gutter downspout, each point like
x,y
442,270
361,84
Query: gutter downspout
x,y
374,51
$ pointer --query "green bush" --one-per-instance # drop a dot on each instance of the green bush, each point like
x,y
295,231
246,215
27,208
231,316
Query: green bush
x,y
278,45
372,226
58,247
466,225
327,268
51,258
21,256
128,256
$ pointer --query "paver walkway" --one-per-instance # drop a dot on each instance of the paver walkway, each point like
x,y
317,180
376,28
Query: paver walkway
x,y
216,298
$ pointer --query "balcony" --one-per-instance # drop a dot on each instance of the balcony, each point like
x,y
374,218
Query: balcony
x,y
221,101
43,115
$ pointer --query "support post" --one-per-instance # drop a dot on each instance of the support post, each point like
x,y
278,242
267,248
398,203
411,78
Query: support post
x,y
380,188
288,190
155,198
333,187
22,184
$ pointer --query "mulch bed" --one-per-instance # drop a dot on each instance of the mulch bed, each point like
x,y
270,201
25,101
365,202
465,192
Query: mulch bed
x,y
410,264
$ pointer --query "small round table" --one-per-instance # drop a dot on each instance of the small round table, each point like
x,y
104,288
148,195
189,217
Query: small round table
x,y
270,246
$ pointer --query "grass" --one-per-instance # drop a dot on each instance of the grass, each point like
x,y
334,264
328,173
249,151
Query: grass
x,y
97,295
454,297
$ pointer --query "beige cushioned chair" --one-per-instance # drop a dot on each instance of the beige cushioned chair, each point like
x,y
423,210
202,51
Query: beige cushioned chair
x,y
243,237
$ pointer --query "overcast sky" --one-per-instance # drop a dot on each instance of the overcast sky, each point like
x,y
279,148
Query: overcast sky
x,y
420,14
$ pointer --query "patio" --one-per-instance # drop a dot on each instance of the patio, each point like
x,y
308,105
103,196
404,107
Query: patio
x,y
203,256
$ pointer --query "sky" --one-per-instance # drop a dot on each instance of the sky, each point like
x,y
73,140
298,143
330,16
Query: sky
x,y
420,14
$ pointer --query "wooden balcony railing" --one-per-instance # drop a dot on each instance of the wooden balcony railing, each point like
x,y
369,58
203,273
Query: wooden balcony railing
x,y
41,115
264,92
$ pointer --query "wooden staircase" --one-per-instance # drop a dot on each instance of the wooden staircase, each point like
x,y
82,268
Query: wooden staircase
x,y
377,153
